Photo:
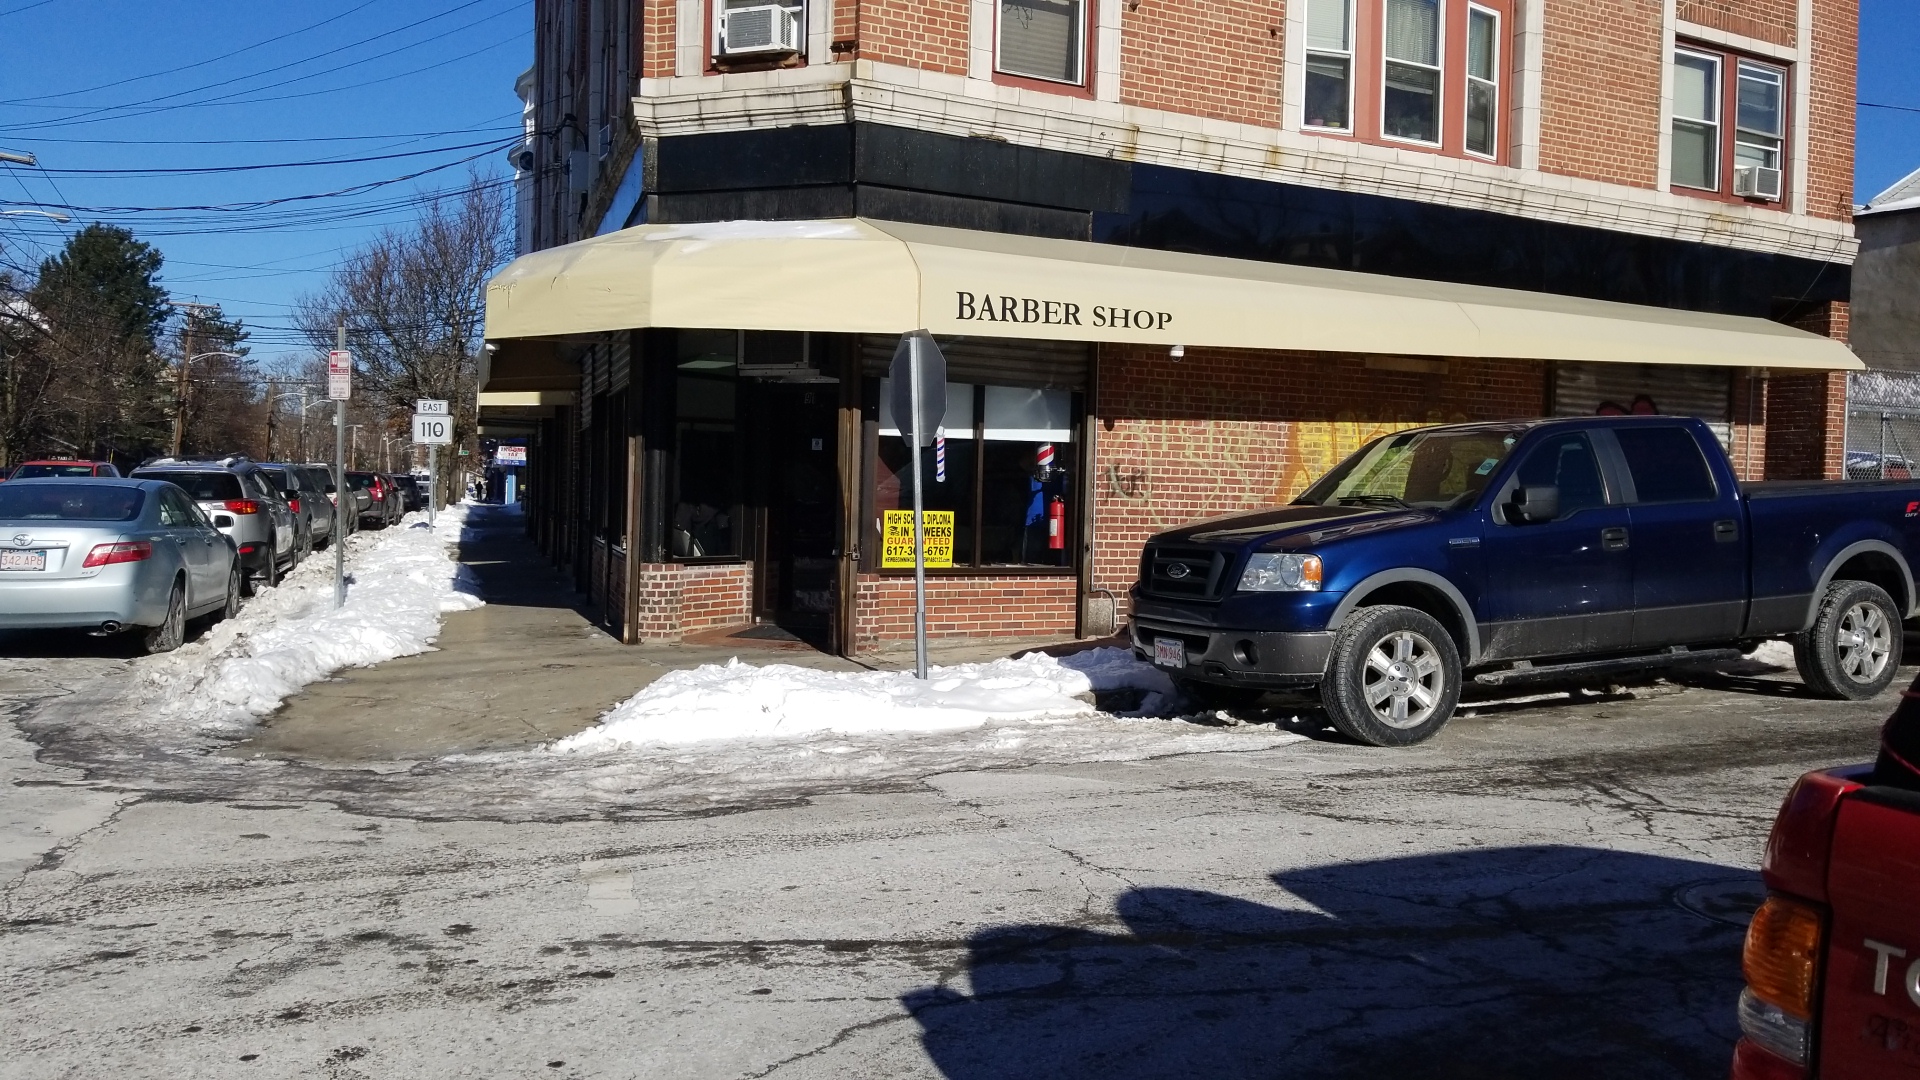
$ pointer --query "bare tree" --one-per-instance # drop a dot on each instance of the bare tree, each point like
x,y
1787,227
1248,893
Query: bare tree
x,y
413,305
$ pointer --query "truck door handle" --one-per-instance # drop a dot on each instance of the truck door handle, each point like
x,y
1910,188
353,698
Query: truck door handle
x,y
1726,532
1614,539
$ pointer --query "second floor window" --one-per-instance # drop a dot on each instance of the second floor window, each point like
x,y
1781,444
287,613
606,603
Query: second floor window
x,y
1411,102
1729,125
1483,81
1043,39
1329,97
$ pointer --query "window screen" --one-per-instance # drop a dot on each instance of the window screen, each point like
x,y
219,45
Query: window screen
x,y
1412,99
1696,121
1666,464
1329,64
1042,39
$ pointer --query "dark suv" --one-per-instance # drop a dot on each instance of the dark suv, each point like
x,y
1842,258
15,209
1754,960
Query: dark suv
x,y
413,493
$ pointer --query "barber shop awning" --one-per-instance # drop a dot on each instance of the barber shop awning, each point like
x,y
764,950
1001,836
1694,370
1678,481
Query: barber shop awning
x,y
860,276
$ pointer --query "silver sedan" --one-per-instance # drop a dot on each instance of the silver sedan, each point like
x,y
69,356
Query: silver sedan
x,y
111,555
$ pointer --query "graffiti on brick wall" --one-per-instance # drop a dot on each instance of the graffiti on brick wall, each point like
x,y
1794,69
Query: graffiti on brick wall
x,y
1319,445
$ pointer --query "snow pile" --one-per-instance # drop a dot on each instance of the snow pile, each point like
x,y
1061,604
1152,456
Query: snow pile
x,y
400,581
1776,653
742,701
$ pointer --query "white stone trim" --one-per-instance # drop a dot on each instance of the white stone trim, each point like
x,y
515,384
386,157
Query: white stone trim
x,y
980,40
1753,46
689,37
1801,160
956,105
1663,155
1293,68
819,31
1106,50
1528,73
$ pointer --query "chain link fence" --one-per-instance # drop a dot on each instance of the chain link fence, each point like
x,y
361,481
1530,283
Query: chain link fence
x,y
1883,426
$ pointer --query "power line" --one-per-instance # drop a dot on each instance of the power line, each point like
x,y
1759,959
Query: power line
x,y
24,7
265,165
1893,108
269,142
197,63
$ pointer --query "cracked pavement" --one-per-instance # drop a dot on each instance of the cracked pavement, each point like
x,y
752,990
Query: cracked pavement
x,y
1549,887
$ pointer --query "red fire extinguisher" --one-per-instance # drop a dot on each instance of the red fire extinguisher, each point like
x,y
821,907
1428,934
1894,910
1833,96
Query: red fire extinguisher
x,y
1057,523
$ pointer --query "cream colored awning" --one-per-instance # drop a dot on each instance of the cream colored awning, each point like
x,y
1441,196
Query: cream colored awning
x,y
855,275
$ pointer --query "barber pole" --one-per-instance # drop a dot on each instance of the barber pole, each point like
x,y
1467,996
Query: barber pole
x,y
940,456
1046,457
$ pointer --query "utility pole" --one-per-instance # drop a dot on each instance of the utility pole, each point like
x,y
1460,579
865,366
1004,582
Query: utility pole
x,y
186,361
343,501
273,403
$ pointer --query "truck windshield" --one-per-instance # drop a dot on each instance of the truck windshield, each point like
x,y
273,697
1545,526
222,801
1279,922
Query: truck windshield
x,y
1428,469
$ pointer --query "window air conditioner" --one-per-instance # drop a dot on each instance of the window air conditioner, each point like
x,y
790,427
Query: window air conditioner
x,y
1756,182
766,28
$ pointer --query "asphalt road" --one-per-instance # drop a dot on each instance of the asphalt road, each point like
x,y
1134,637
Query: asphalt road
x,y
1551,888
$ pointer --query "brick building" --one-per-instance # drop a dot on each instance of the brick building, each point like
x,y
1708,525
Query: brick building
x,y
1189,253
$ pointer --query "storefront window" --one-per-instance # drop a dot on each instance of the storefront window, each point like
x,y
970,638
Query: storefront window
x,y
706,506
1008,477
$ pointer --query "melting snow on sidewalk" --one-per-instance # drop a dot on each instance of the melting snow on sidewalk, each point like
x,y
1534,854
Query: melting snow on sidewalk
x,y
401,581
723,731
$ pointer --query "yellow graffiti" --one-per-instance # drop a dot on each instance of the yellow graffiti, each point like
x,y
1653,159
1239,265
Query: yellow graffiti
x,y
1319,445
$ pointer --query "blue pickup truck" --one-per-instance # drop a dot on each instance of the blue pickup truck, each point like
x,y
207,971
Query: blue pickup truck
x,y
1508,552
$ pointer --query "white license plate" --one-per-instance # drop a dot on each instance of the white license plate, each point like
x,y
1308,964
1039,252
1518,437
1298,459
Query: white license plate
x,y
1170,652
23,560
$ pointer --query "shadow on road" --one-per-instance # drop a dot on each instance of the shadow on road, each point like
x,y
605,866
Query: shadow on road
x,y
1560,962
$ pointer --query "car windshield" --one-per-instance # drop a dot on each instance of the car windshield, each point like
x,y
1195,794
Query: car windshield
x,y
70,502
1428,469
202,486
66,469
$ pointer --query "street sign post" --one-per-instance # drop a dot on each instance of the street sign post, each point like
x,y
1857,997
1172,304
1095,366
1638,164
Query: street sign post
x,y
433,427
918,378
340,388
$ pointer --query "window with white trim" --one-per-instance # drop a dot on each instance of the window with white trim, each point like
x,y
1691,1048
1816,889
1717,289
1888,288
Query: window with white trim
x,y
1410,102
1329,92
1758,118
1043,39
1483,81
1695,146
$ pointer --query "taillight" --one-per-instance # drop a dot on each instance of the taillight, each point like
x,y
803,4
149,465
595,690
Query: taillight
x,y
293,505
125,551
243,506
1781,962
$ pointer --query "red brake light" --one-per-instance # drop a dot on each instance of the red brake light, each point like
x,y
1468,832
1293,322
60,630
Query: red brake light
x,y
293,505
125,551
243,506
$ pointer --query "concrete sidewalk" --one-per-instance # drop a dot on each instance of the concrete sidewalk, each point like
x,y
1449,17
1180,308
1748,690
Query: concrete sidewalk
x,y
527,668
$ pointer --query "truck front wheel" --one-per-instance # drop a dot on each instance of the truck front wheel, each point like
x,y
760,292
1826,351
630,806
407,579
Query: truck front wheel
x,y
1393,678
1852,651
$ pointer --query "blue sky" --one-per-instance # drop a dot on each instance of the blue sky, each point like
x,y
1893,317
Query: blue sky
x,y
430,79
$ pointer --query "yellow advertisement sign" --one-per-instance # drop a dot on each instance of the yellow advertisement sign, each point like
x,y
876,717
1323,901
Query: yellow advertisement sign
x,y
896,539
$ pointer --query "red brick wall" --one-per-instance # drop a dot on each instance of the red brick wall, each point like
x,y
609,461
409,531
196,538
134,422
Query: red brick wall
x,y
966,607
1806,426
1600,90
676,600
1768,20
929,34
1226,430
1215,58
657,39
1836,43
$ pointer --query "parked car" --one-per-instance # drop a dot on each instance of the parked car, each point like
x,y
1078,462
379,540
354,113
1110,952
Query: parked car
x,y
383,506
1832,962
112,555
358,500
312,513
244,504
1867,465
413,492
1528,550
27,470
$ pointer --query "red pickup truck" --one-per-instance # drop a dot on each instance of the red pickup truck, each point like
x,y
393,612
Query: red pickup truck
x,y
1832,958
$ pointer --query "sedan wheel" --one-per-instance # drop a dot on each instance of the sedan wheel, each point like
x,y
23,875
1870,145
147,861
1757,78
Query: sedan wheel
x,y
169,634
235,581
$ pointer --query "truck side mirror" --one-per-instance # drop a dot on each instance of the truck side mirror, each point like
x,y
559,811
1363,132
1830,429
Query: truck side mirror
x,y
1535,504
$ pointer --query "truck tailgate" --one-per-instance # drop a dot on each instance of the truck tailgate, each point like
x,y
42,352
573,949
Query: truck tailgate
x,y
1870,1004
